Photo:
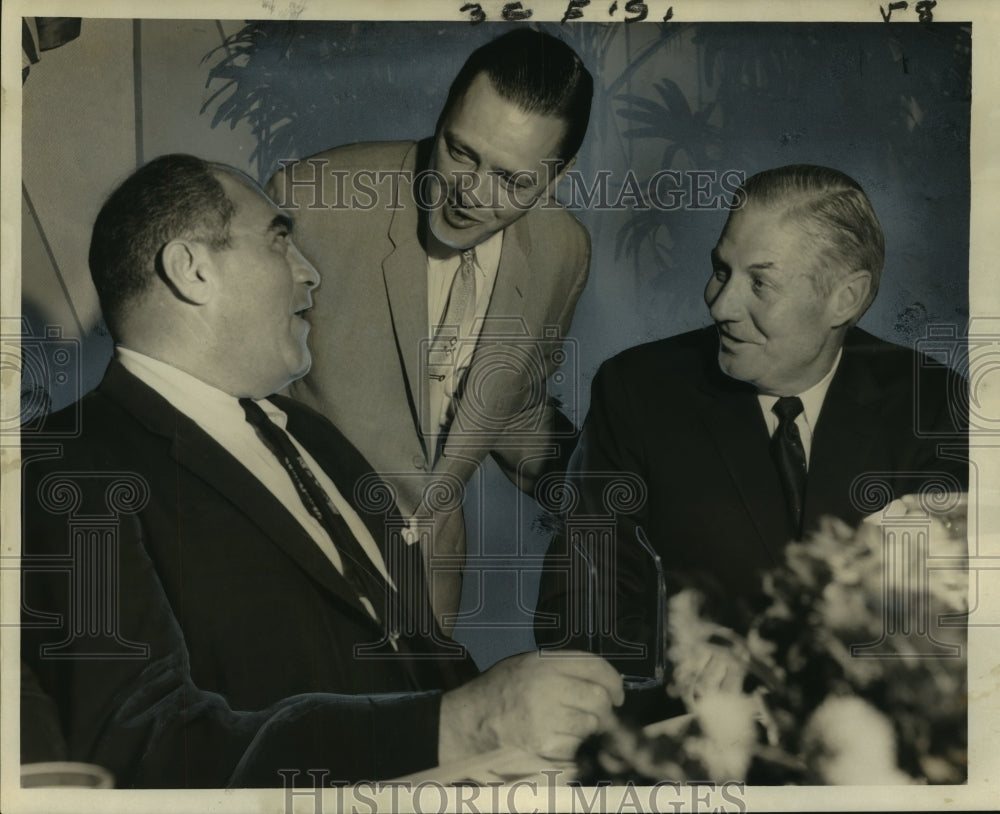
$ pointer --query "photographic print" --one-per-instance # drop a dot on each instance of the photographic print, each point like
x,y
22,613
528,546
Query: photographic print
x,y
557,406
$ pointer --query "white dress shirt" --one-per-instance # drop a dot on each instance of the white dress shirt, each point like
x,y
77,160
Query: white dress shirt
x,y
812,402
221,416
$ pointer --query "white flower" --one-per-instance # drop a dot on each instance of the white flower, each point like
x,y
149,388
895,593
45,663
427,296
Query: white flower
x,y
706,656
848,742
728,734
844,608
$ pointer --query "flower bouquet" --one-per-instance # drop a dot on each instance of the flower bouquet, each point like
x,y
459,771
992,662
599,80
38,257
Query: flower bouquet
x,y
854,672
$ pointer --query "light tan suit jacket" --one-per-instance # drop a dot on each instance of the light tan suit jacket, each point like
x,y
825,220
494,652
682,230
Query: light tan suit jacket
x,y
361,231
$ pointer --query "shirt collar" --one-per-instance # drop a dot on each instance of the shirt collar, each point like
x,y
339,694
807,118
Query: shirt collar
x,y
206,404
487,253
812,399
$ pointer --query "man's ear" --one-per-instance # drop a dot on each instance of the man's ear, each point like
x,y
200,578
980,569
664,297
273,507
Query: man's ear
x,y
187,268
849,297
550,187
562,173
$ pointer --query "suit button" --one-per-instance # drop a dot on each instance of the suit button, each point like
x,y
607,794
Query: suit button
x,y
418,462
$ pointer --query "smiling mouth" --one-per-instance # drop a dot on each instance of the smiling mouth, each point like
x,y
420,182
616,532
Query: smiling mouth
x,y
725,335
458,215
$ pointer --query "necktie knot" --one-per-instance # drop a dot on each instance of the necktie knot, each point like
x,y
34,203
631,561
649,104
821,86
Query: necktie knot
x,y
253,412
787,408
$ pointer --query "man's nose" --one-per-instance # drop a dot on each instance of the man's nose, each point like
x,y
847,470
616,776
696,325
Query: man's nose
x,y
724,299
471,188
305,272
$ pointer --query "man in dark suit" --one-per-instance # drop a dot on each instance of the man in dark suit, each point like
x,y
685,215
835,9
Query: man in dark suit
x,y
428,388
704,454
209,594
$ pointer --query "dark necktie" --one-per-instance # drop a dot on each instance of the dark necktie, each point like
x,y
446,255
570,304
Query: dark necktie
x,y
357,567
790,457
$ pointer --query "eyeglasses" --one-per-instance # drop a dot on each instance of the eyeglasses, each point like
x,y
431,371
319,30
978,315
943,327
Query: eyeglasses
x,y
599,594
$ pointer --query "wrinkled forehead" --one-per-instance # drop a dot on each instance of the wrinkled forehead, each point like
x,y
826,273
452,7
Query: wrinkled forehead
x,y
771,236
758,222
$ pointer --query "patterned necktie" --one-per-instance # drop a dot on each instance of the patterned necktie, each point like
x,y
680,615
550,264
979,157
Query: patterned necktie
x,y
456,322
790,457
357,567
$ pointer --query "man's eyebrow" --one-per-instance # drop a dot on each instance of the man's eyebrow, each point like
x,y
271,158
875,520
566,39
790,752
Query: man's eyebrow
x,y
523,176
455,141
281,223
764,265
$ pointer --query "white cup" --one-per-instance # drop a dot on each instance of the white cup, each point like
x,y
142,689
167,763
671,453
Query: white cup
x,y
65,773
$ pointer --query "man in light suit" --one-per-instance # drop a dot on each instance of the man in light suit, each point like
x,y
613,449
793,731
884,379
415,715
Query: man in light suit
x,y
684,451
207,597
429,356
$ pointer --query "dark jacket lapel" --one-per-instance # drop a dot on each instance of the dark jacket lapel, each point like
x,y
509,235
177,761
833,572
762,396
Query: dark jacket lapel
x,y
732,416
844,433
200,454
372,500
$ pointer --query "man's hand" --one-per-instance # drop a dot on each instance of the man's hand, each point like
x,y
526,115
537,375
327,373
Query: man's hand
x,y
543,704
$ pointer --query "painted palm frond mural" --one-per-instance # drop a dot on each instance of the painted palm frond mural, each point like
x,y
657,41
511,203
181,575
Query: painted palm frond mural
x,y
792,93
667,115
278,79
887,104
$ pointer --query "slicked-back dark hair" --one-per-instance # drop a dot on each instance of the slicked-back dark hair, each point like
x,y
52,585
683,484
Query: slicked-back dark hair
x,y
537,72
833,208
172,196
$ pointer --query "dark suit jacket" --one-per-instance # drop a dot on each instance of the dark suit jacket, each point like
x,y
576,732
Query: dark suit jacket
x,y
370,318
222,645
688,447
